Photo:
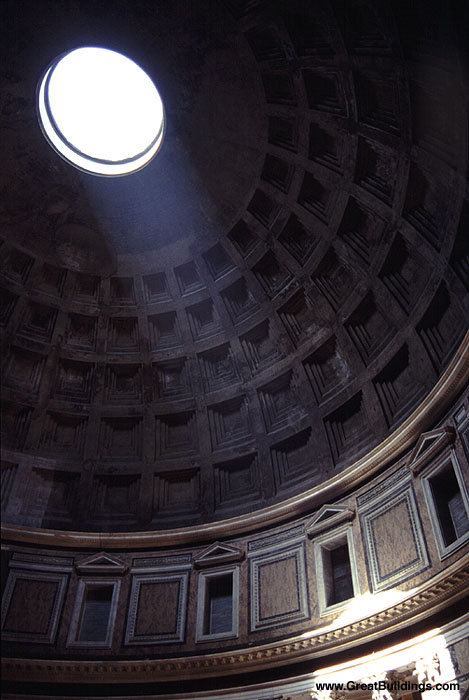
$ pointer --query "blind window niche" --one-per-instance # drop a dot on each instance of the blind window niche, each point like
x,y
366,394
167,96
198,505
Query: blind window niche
x,y
336,571
340,585
94,613
218,617
217,604
448,505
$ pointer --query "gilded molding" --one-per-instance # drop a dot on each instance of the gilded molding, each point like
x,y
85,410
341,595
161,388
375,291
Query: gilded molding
x,y
443,590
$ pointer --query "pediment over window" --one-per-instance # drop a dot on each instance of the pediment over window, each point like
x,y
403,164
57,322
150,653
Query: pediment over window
x,y
428,446
218,553
328,516
101,563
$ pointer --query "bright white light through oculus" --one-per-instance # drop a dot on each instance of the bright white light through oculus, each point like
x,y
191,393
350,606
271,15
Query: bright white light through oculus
x,y
101,111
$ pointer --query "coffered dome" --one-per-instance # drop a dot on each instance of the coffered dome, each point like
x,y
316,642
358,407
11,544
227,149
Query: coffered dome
x,y
254,315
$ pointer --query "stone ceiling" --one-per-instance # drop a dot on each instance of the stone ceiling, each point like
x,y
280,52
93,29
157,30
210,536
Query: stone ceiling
x,y
266,301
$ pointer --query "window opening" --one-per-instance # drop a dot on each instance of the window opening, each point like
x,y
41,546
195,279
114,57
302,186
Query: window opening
x,y
449,505
95,613
219,605
336,569
341,575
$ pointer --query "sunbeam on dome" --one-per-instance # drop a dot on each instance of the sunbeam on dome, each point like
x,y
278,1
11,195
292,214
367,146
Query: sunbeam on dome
x,y
235,417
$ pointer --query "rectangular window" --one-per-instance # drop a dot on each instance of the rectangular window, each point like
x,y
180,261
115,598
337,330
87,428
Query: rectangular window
x,y
94,613
448,505
336,571
217,604
341,575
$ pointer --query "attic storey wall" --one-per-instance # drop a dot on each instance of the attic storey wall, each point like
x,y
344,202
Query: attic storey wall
x,y
392,542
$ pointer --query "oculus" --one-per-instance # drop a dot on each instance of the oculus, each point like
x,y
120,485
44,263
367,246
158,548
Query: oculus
x,y
100,111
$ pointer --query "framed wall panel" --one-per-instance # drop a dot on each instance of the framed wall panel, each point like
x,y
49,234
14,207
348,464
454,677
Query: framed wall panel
x,y
32,606
158,608
278,587
394,540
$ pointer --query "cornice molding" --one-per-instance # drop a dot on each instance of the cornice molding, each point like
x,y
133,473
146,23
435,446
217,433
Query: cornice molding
x,y
447,389
436,440
443,590
217,553
328,517
101,563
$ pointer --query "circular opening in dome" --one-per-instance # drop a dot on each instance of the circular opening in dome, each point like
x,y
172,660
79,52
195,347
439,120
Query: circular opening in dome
x,y
101,111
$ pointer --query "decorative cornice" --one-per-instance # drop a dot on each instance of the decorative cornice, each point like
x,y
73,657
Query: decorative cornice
x,y
277,539
327,517
217,553
451,383
101,563
398,480
443,590
437,440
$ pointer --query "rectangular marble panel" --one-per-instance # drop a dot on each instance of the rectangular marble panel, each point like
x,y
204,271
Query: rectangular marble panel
x,y
157,610
394,540
32,605
392,530
278,588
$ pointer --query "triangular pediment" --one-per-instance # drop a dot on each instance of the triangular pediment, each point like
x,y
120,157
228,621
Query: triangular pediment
x,y
101,563
218,553
328,516
428,446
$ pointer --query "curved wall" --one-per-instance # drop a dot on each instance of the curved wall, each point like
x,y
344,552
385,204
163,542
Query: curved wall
x,y
405,573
